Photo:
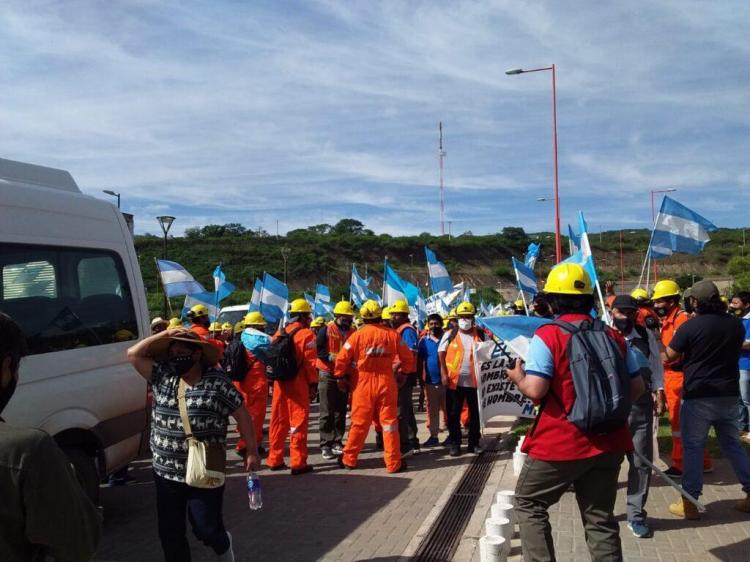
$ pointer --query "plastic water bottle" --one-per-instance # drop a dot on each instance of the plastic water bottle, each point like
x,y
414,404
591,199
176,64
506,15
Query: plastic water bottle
x,y
254,498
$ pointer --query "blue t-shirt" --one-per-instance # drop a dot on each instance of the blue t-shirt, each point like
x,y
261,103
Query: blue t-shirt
x,y
409,337
427,349
745,353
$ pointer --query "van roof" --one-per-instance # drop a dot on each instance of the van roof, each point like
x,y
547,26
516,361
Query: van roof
x,y
41,176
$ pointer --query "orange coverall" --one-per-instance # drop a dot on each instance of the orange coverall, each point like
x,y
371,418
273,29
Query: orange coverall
x,y
673,386
254,389
374,348
290,407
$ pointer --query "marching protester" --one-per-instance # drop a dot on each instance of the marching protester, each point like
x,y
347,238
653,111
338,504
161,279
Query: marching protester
x,y
248,372
740,307
709,348
428,369
290,407
457,376
317,324
646,316
375,394
641,420
199,320
540,306
666,297
333,401
407,422
158,324
187,385
45,513
559,452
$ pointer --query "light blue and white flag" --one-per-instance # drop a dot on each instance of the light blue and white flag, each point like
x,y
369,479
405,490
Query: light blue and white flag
x,y
515,331
207,299
678,229
532,253
273,299
255,298
484,309
176,280
222,287
393,286
440,280
323,306
583,256
574,241
359,289
525,278
310,300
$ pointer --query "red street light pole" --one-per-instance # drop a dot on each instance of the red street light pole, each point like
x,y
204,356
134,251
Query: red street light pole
x,y
653,222
558,246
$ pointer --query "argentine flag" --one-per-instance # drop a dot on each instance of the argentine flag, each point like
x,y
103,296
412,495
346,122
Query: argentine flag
x,y
532,253
255,298
574,241
440,280
393,288
678,229
222,287
273,299
525,277
207,299
515,331
176,280
359,289
583,256
322,305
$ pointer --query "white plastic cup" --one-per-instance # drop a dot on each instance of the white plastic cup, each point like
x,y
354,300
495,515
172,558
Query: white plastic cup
x,y
492,548
502,511
505,496
518,460
499,526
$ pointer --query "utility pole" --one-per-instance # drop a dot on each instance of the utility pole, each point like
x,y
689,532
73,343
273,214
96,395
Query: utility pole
x,y
441,155
285,256
449,229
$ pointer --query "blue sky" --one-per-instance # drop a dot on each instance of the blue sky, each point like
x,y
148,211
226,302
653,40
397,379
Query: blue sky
x,y
309,112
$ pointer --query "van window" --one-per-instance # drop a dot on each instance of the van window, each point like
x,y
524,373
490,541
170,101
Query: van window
x,y
65,298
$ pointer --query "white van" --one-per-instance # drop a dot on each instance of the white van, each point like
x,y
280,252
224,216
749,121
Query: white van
x,y
232,314
70,277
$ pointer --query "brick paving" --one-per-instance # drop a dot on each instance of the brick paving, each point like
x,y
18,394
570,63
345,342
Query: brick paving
x,y
723,533
331,514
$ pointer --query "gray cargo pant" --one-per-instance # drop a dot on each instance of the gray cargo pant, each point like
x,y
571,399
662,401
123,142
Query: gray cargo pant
x,y
333,405
641,423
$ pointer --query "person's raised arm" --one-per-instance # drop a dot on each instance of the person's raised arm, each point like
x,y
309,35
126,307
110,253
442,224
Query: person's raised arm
x,y
138,354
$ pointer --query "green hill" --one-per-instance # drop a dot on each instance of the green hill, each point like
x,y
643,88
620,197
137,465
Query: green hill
x,y
325,254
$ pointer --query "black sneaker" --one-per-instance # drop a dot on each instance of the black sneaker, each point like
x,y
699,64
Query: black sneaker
x,y
455,451
674,473
475,449
327,453
304,470
337,449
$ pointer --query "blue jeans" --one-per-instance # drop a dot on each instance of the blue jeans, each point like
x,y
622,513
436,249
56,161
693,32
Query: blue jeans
x,y
697,415
744,400
203,508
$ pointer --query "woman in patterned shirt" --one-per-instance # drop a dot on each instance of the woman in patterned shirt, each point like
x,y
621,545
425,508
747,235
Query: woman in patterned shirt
x,y
163,360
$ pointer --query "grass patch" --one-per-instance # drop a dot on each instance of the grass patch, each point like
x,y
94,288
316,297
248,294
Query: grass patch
x,y
520,429
664,437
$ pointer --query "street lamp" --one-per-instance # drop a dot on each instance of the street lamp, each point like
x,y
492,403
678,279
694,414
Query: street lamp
x,y
113,194
512,72
653,222
165,221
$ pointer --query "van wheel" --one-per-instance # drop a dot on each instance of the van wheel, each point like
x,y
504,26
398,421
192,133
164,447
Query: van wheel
x,y
86,472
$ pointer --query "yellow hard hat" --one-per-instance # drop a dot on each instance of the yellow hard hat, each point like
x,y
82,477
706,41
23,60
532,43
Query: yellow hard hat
x,y
344,308
445,324
724,299
568,279
465,309
214,327
665,288
386,313
300,306
227,326
639,294
371,310
197,311
319,322
452,314
124,335
254,318
518,304
238,327
400,307
174,323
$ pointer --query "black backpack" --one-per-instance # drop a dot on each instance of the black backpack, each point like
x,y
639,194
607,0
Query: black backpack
x,y
600,378
235,361
281,362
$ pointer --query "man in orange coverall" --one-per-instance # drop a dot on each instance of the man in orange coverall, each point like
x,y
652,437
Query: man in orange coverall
x,y
290,407
374,348
254,387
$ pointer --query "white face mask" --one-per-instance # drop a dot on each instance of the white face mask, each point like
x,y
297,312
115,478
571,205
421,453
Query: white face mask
x,y
465,323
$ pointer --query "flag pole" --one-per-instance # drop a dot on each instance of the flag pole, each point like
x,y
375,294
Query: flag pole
x,y
160,281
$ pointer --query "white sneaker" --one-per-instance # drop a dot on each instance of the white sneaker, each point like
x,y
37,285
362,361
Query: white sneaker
x,y
228,556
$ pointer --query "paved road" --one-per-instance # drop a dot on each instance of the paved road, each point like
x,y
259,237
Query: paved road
x,y
330,514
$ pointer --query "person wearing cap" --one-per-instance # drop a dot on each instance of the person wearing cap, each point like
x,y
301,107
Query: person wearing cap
x,y
459,378
641,421
333,400
519,309
407,421
666,297
317,323
174,323
739,306
227,332
158,324
559,453
709,348
290,407
169,361
646,316
199,320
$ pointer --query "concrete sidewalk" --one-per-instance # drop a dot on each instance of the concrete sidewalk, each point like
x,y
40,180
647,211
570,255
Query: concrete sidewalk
x,y
723,533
